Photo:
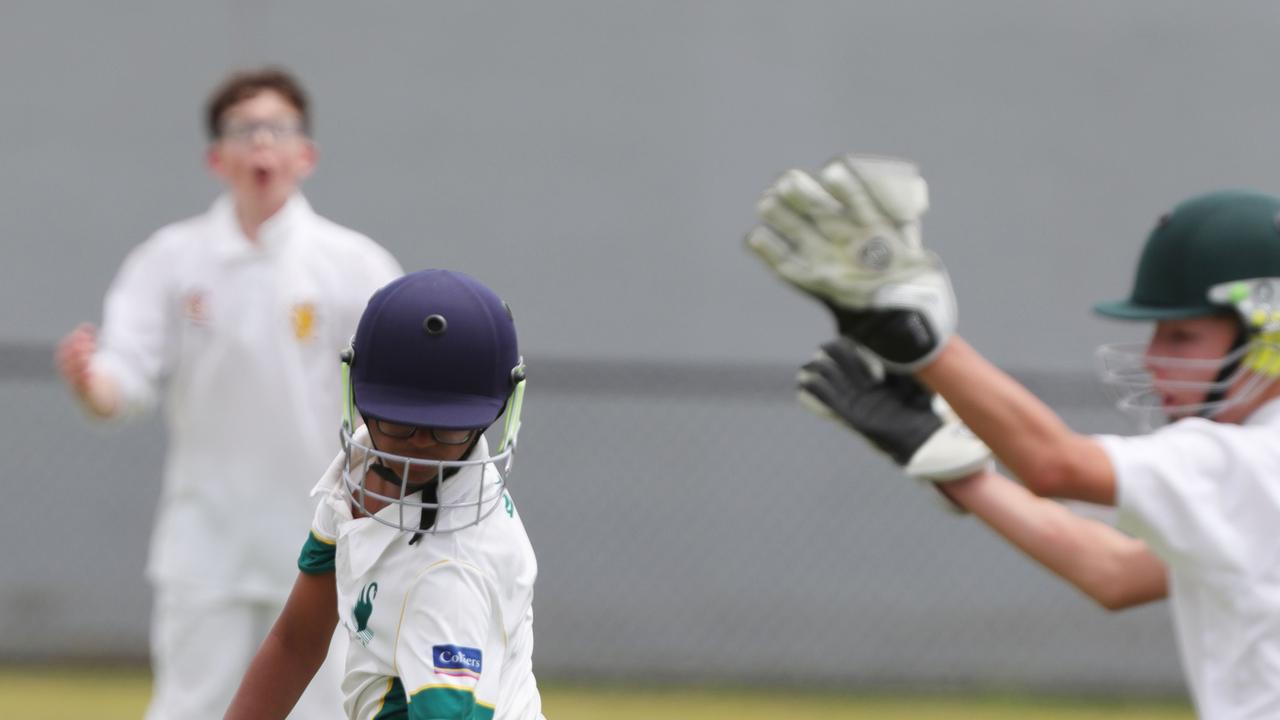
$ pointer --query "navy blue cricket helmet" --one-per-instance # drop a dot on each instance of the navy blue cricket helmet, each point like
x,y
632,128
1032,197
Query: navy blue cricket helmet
x,y
435,348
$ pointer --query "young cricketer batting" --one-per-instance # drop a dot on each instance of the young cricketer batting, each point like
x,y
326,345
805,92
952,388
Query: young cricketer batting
x,y
416,548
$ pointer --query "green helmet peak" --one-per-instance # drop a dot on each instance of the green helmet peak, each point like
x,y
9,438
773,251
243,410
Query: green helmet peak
x,y
1206,240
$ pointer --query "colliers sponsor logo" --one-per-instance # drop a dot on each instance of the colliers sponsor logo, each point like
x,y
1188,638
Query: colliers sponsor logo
x,y
457,660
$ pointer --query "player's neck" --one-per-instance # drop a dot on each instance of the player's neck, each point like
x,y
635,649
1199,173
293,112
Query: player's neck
x,y
378,486
251,215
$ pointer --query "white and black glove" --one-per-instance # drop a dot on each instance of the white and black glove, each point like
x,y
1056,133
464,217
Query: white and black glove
x,y
895,413
851,238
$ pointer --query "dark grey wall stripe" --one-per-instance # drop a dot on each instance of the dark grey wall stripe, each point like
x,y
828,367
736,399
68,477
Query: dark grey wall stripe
x,y
33,362
26,362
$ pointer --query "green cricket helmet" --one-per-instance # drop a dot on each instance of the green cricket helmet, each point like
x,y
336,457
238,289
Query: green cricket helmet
x,y
1214,254
1206,241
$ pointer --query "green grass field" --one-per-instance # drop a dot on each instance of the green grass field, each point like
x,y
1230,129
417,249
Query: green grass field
x,y
106,694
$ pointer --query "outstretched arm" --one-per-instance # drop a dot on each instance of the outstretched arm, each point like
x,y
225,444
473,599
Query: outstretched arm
x,y
1023,432
1113,569
292,653
899,418
850,237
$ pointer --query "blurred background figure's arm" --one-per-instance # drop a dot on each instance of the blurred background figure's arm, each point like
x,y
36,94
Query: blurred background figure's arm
x,y
116,372
96,390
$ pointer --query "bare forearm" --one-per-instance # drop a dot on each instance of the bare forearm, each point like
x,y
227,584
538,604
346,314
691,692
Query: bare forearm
x,y
1021,430
1015,424
1114,569
292,653
275,680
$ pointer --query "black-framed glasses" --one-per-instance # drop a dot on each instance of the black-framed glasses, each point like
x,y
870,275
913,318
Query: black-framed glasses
x,y
444,436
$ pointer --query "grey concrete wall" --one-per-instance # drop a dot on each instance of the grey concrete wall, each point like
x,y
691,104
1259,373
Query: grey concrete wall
x,y
598,163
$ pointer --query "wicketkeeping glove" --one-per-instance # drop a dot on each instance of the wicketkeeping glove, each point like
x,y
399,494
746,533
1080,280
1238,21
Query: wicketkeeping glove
x,y
895,413
851,238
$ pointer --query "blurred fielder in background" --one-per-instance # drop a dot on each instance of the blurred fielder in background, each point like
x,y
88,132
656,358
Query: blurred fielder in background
x,y
1199,498
416,545
237,315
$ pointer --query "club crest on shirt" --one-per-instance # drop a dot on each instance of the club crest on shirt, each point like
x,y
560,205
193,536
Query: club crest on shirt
x,y
303,315
361,612
456,660
195,308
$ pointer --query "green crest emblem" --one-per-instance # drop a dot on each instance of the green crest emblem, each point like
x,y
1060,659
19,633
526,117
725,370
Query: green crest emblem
x,y
362,611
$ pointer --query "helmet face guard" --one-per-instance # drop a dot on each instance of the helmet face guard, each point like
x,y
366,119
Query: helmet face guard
x,y
1127,372
434,349
1239,376
488,473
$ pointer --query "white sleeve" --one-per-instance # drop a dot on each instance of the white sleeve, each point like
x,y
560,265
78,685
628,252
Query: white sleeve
x,y
1169,488
440,651
136,327
370,265
1105,514
371,268
383,267
329,515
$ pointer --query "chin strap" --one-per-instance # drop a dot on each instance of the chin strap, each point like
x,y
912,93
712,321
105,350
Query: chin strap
x,y
1219,392
429,490
428,516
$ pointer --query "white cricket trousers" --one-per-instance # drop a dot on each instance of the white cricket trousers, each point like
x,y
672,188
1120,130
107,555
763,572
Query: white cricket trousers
x,y
201,648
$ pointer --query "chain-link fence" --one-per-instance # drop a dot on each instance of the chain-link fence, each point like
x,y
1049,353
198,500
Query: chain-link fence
x,y
692,524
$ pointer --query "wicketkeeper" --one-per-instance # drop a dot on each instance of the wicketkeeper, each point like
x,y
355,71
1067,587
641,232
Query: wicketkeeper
x,y
1198,500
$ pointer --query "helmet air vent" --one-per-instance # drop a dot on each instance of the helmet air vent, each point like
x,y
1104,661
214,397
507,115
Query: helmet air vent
x,y
435,324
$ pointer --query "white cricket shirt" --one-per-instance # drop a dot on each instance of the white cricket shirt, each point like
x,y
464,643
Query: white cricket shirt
x,y
243,339
1205,497
445,623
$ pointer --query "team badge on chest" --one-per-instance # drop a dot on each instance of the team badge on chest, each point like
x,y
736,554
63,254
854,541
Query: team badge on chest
x,y
195,307
362,611
303,316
